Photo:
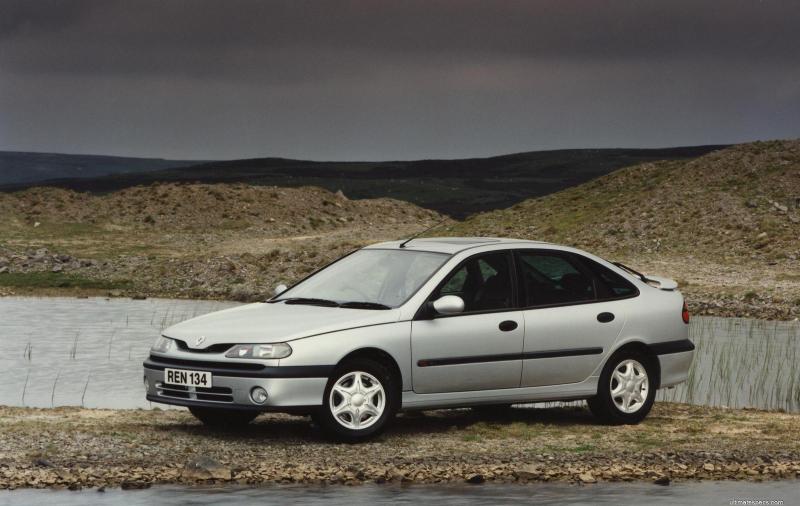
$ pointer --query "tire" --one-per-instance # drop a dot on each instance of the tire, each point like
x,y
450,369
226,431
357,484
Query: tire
x,y
360,416
220,418
634,392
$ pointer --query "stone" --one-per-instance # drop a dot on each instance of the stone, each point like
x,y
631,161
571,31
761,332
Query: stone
x,y
528,472
780,207
3,270
752,203
662,480
587,477
761,235
132,485
340,194
708,467
205,468
475,479
57,268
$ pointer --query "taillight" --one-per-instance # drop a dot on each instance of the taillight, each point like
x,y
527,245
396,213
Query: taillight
x,y
685,313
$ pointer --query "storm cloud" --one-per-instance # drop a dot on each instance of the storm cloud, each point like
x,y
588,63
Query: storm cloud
x,y
393,80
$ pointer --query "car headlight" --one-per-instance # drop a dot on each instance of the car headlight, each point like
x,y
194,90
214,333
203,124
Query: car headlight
x,y
163,345
272,350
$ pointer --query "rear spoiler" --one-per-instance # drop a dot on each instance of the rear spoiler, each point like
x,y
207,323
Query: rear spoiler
x,y
654,281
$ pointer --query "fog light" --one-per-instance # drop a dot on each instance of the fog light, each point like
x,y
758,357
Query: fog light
x,y
259,395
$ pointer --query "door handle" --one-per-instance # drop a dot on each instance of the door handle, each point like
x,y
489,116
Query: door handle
x,y
507,325
605,317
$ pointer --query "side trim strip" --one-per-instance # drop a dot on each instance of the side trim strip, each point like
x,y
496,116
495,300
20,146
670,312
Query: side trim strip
x,y
668,347
572,352
293,371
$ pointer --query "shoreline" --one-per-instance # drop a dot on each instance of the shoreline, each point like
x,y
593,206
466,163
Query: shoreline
x,y
724,305
91,448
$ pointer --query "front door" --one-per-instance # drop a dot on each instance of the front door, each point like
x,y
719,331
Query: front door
x,y
479,349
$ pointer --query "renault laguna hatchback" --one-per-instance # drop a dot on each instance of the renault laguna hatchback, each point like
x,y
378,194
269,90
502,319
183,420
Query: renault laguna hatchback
x,y
432,323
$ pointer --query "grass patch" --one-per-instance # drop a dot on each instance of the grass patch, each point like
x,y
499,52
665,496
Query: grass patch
x,y
58,280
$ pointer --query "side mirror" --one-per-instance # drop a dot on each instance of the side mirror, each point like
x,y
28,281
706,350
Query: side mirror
x,y
280,289
449,304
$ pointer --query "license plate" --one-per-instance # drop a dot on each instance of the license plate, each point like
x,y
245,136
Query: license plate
x,y
187,378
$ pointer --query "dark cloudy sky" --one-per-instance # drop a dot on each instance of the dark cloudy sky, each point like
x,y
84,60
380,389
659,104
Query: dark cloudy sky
x,y
393,80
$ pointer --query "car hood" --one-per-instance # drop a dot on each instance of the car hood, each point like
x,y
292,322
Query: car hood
x,y
270,323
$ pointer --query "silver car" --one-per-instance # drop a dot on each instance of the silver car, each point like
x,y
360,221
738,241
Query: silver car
x,y
432,323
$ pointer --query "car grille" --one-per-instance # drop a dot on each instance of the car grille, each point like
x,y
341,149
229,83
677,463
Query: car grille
x,y
214,394
214,348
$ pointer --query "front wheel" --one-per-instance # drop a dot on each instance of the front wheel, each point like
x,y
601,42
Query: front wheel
x,y
361,397
220,418
626,391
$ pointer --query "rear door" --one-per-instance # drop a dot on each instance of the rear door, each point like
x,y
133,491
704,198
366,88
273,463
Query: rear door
x,y
570,320
479,349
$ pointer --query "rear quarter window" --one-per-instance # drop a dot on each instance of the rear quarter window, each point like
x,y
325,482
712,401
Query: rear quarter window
x,y
610,284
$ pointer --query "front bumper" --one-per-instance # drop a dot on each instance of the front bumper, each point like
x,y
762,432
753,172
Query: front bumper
x,y
288,388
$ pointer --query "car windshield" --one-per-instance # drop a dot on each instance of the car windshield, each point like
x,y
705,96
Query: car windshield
x,y
368,279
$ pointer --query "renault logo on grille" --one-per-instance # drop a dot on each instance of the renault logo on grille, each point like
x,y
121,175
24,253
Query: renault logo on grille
x,y
200,340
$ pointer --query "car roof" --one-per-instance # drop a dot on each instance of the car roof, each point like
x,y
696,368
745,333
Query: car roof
x,y
451,245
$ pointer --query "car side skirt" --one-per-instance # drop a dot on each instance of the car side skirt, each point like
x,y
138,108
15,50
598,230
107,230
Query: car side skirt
x,y
572,391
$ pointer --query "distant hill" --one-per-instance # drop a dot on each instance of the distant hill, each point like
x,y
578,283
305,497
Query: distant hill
x,y
737,205
455,187
17,167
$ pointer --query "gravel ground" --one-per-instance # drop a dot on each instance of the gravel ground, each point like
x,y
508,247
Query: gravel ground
x,y
78,448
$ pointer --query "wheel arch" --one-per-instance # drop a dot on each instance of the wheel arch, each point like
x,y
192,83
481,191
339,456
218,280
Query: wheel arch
x,y
381,356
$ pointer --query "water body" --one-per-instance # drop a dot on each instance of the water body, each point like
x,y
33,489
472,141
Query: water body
x,y
88,352
59,351
716,493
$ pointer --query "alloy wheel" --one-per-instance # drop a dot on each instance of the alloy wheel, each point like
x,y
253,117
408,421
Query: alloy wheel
x,y
357,400
629,386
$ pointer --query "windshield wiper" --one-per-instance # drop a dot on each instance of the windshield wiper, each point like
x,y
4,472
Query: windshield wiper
x,y
364,305
310,301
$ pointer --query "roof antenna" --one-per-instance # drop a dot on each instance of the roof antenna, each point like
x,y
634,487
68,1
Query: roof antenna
x,y
403,244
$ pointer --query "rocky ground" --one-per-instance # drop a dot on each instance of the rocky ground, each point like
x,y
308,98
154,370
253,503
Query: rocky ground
x,y
726,226
191,241
76,448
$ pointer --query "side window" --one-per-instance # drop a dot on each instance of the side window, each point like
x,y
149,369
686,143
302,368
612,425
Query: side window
x,y
548,278
455,285
484,282
610,284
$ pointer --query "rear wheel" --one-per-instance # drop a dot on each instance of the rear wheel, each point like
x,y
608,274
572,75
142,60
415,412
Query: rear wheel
x,y
361,397
220,418
626,389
